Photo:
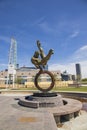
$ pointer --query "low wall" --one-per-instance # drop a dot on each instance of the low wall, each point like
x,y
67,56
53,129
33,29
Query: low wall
x,y
57,83
43,84
63,83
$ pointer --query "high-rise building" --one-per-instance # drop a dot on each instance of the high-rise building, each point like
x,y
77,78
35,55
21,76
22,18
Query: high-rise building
x,y
65,76
78,72
73,77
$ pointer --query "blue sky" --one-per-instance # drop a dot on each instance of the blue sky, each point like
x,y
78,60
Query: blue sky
x,y
58,24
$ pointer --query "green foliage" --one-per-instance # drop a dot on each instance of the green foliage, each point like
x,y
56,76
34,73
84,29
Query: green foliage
x,y
85,79
61,89
18,80
74,89
33,77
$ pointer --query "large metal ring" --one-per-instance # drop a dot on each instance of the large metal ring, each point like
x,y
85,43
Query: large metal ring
x,y
37,77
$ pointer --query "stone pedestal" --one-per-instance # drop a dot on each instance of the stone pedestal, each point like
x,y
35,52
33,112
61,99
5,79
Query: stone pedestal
x,y
42,100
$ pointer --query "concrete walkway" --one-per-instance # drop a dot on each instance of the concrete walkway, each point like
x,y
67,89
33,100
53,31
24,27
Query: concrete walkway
x,y
15,117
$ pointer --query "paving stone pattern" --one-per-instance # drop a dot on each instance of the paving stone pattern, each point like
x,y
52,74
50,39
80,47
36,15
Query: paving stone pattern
x,y
15,117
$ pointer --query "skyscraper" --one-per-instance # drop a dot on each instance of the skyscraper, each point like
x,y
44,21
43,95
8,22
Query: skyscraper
x,y
78,72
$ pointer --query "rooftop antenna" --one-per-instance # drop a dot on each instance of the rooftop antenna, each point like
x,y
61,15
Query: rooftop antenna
x,y
12,64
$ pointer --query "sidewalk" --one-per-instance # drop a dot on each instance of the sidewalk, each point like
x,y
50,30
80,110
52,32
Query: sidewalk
x,y
16,117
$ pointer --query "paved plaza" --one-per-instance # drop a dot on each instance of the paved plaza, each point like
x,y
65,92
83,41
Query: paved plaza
x,y
16,117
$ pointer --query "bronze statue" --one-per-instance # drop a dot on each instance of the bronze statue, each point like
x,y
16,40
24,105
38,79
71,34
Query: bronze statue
x,y
39,59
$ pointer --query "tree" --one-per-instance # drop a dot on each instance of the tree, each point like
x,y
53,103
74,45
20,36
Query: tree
x,y
84,80
33,77
19,80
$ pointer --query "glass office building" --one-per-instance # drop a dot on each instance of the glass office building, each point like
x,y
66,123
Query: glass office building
x,y
78,71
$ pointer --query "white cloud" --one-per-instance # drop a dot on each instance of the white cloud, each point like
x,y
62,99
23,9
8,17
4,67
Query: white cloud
x,y
4,38
38,21
80,56
51,28
75,34
70,36
45,27
84,47
3,64
70,67
84,68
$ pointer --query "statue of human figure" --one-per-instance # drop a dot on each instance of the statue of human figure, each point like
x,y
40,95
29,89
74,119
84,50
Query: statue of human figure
x,y
40,49
39,59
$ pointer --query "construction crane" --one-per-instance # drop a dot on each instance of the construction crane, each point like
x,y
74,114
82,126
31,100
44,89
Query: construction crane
x,y
12,63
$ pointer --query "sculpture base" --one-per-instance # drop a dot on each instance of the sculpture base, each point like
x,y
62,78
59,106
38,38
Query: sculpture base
x,y
42,100
48,94
62,108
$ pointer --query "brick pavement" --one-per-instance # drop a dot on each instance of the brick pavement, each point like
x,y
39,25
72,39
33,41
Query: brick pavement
x,y
15,117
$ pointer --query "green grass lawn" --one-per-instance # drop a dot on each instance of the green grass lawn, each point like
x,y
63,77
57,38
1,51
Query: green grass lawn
x,y
81,89
76,89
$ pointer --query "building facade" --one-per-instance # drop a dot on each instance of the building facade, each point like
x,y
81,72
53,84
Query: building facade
x,y
27,74
78,72
65,76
